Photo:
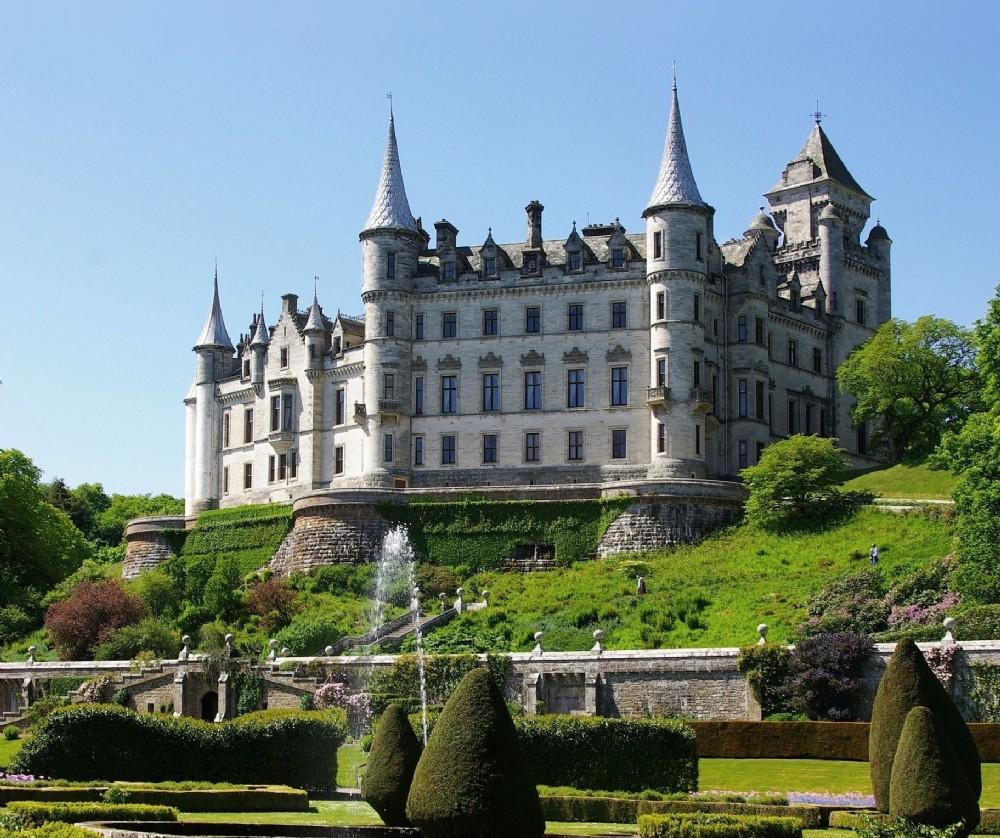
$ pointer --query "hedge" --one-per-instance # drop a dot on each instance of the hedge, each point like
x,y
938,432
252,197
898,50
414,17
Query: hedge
x,y
595,752
989,821
626,810
701,825
90,742
53,829
268,799
50,794
38,813
483,534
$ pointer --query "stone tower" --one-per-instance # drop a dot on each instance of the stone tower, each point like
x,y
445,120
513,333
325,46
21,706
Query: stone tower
x,y
390,245
214,351
678,237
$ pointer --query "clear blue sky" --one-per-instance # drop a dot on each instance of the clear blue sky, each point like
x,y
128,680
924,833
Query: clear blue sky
x,y
140,141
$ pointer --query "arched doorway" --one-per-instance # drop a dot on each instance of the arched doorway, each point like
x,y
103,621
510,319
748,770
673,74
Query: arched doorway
x,y
209,706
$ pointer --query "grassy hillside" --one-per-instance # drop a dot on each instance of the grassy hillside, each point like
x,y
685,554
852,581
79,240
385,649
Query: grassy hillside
x,y
905,481
711,594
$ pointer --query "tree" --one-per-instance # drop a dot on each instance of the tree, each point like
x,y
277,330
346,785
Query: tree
x,y
391,763
78,624
83,504
39,545
827,674
795,482
914,381
109,528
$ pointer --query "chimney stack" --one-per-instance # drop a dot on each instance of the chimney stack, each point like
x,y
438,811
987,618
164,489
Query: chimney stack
x,y
534,210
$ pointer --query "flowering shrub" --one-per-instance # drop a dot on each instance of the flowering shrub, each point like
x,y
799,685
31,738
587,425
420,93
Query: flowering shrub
x,y
916,613
827,674
334,693
16,778
941,660
91,613
274,601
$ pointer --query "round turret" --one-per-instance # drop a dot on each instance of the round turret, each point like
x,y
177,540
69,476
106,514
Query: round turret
x,y
762,225
878,234
828,215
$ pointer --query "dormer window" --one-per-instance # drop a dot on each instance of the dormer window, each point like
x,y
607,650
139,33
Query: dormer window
x,y
574,261
530,263
490,266
336,345
617,257
448,271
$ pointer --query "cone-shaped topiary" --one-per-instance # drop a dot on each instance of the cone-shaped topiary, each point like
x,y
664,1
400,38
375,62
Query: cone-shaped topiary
x,y
472,780
928,784
391,763
908,682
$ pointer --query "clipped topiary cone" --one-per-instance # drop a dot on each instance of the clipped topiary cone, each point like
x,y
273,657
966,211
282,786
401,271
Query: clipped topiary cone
x,y
909,682
928,784
391,763
472,780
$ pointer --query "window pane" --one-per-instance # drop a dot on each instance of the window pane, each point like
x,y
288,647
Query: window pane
x,y
491,391
574,388
449,394
618,444
489,448
531,448
532,391
619,386
533,319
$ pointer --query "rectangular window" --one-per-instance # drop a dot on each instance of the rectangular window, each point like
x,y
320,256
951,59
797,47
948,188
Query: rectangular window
x,y
619,444
270,468
744,453
657,245
822,421
760,451
390,324
741,328
387,448
225,480
284,357
619,316
418,395
448,271
226,419
530,263
491,322
532,451
758,330
697,308
760,400
449,394
418,450
793,353
338,460
490,263
861,313
389,386
696,374
792,411
574,388
275,413
617,257
817,359
336,345
574,451
574,317
338,417
619,386
697,439
449,324
661,371
809,418
743,397
248,425
575,262
698,241
661,437
532,391
489,448
248,475
282,466
491,391
448,450
661,305
287,400
418,332
533,319
246,369
293,464
715,326
390,266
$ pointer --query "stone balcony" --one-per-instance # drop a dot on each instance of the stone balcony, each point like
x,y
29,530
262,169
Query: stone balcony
x,y
702,400
657,396
389,408
360,412
281,440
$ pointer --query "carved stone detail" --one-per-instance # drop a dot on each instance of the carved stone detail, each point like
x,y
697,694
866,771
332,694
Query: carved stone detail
x,y
532,359
619,353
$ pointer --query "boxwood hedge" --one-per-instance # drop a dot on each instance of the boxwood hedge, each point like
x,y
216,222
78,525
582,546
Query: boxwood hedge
x,y
99,741
701,825
37,813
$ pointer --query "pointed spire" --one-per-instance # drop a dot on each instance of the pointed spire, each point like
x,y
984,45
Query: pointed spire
x,y
261,335
391,209
817,160
489,240
213,333
315,321
675,183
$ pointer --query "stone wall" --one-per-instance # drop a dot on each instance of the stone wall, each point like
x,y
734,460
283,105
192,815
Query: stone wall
x,y
146,546
662,522
330,534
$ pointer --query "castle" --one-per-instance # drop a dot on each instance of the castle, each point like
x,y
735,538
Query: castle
x,y
596,357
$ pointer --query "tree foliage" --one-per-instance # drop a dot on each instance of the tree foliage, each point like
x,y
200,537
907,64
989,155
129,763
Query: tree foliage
x,y
391,763
827,674
796,482
914,381
78,624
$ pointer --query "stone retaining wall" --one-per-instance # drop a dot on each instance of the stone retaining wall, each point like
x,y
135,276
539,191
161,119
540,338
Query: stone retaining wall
x,y
658,523
146,545
322,535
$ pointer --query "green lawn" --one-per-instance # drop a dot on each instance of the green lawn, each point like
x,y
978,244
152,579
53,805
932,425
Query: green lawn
x,y
905,481
710,594
350,758
8,749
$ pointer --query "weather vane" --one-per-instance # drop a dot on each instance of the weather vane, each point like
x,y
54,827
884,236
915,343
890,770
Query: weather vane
x,y
389,97
817,115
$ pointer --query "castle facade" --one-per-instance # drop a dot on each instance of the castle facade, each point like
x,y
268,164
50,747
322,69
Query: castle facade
x,y
595,357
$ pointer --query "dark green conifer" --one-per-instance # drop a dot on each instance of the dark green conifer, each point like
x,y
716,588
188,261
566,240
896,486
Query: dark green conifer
x,y
928,784
909,682
472,780
391,763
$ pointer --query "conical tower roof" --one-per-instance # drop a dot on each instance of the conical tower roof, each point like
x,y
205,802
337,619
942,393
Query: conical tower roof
x,y
391,209
213,333
261,335
675,183
315,321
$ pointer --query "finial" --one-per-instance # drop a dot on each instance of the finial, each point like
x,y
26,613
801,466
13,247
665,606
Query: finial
x,y
261,302
675,76
315,287
490,230
574,225
817,115
216,270
389,97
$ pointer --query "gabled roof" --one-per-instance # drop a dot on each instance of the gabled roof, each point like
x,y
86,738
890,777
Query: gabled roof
x,y
675,182
213,333
391,209
826,163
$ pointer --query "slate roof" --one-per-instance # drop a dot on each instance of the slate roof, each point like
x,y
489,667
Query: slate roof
x,y
213,333
261,335
391,208
675,183
826,162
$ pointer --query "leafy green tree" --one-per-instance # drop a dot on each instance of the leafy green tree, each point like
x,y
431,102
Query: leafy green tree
x,y
796,482
39,545
914,381
109,526
83,504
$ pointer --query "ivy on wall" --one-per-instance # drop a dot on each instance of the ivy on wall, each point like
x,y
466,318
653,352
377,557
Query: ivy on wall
x,y
442,674
984,691
483,535
250,533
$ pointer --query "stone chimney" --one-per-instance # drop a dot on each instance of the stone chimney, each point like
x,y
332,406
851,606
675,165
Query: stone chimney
x,y
289,303
534,210
447,235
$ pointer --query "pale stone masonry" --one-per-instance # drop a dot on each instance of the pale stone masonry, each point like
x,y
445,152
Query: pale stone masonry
x,y
601,356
